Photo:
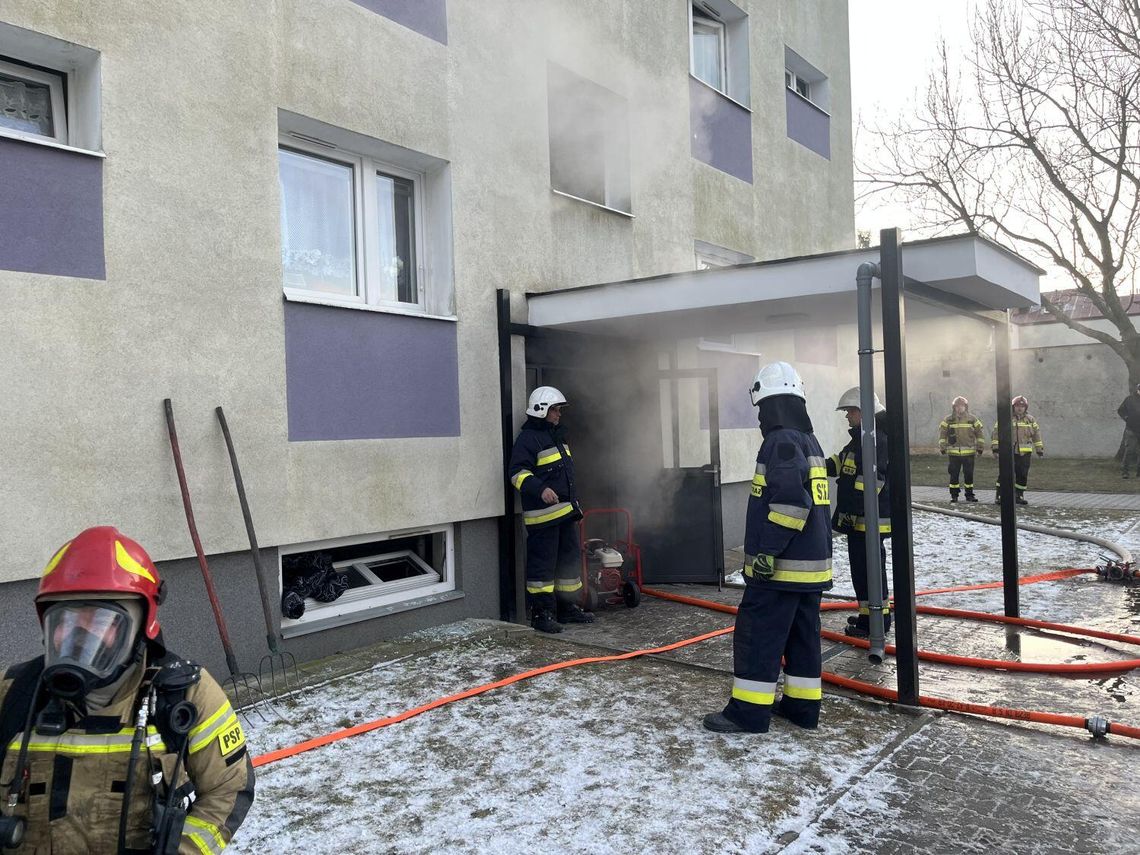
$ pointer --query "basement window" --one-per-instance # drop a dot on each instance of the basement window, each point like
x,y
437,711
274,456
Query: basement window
x,y
384,574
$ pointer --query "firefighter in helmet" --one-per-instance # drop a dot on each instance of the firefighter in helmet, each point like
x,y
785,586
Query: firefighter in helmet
x,y
111,743
962,437
1026,440
542,471
848,519
787,545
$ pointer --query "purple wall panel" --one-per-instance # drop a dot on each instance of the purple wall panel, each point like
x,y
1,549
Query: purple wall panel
x,y
51,211
734,375
353,374
808,125
428,17
721,131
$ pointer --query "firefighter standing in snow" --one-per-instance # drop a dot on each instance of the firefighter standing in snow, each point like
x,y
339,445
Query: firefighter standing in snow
x,y
847,467
542,470
787,566
1026,440
111,743
962,437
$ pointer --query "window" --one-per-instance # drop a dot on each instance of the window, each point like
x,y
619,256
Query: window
x,y
349,227
709,52
365,224
383,574
709,256
807,81
31,101
49,90
589,140
718,48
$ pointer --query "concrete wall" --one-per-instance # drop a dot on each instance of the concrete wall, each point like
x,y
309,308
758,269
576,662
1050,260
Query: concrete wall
x,y
191,305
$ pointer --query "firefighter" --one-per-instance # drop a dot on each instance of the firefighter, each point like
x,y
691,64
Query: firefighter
x,y
962,436
1129,410
847,467
542,470
110,743
1026,440
787,546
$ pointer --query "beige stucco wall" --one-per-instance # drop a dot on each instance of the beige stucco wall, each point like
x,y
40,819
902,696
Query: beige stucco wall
x,y
192,309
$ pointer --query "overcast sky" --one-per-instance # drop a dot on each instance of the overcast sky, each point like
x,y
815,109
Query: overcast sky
x,y
893,44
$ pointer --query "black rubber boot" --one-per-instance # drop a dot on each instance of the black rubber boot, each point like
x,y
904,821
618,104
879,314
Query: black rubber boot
x,y
953,497
1021,498
970,497
544,621
800,714
718,722
573,613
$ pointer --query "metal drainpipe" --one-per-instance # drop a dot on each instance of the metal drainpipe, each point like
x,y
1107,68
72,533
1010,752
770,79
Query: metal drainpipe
x,y
863,276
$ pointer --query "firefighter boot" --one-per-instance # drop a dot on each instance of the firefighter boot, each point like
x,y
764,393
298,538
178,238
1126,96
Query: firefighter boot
x,y
1021,498
543,620
970,497
801,713
953,497
573,613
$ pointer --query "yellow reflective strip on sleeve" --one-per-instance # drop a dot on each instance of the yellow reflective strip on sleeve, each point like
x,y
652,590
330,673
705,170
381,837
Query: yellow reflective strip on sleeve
x,y
859,483
521,476
212,834
817,472
759,481
786,521
222,710
802,577
198,841
225,727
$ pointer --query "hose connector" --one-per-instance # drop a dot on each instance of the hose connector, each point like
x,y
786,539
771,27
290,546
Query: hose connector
x,y
1097,725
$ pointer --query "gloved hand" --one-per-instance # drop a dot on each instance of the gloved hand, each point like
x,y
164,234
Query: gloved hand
x,y
942,451
764,566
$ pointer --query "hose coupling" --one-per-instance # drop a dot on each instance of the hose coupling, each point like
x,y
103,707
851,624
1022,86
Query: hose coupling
x,y
1097,725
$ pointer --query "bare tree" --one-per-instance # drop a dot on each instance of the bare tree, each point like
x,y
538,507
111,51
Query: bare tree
x,y
1035,143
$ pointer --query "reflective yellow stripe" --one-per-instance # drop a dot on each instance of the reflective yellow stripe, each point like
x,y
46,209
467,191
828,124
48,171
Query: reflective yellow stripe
x,y
568,585
521,476
549,455
203,734
753,691
213,844
802,571
861,525
799,576
546,515
198,841
92,743
786,521
759,481
540,588
124,560
964,452
55,559
817,472
803,693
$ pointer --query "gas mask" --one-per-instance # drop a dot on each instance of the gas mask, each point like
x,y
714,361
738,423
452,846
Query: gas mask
x,y
89,644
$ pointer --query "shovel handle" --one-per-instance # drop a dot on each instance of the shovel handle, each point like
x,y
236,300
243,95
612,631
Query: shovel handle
x,y
215,604
262,584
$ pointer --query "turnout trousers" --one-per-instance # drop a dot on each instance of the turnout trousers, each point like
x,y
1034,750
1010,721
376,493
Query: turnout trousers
x,y
553,566
962,464
771,623
857,556
1020,474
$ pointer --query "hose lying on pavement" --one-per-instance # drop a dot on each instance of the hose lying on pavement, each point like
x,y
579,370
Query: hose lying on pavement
x,y
1124,554
1096,725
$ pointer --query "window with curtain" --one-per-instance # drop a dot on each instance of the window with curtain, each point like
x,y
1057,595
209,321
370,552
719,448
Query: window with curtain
x,y
709,52
318,224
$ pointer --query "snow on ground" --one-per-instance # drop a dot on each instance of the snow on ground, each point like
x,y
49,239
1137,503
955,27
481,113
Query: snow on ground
x,y
605,758
612,758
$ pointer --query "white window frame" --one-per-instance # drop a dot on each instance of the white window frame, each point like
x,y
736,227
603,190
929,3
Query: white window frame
x,y
366,213
793,81
699,19
798,70
54,81
374,600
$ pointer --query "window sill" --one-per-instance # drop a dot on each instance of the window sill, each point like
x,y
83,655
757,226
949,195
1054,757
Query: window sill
x,y
739,104
292,629
593,204
809,102
301,297
8,133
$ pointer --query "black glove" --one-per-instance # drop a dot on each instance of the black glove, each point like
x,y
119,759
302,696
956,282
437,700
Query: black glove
x,y
764,566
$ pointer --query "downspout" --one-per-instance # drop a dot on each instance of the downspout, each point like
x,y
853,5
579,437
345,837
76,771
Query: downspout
x,y
863,276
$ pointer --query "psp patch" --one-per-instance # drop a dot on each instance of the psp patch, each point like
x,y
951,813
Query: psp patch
x,y
231,739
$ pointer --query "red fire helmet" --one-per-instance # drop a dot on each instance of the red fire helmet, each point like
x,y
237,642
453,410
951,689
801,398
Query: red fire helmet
x,y
102,561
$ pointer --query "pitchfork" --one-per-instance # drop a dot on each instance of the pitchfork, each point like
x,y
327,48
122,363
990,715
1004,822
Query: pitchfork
x,y
281,664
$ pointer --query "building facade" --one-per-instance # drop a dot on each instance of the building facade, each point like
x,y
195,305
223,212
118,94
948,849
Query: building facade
x,y
301,210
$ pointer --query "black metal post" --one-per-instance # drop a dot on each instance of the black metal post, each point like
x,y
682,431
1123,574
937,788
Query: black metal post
x,y
715,472
898,447
508,570
1009,563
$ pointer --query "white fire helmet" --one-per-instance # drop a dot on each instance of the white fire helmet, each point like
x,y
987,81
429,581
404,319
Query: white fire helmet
x,y
776,378
1020,399
542,399
960,400
850,398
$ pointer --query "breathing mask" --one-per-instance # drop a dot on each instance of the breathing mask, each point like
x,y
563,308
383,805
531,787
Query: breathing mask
x,y
89,644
